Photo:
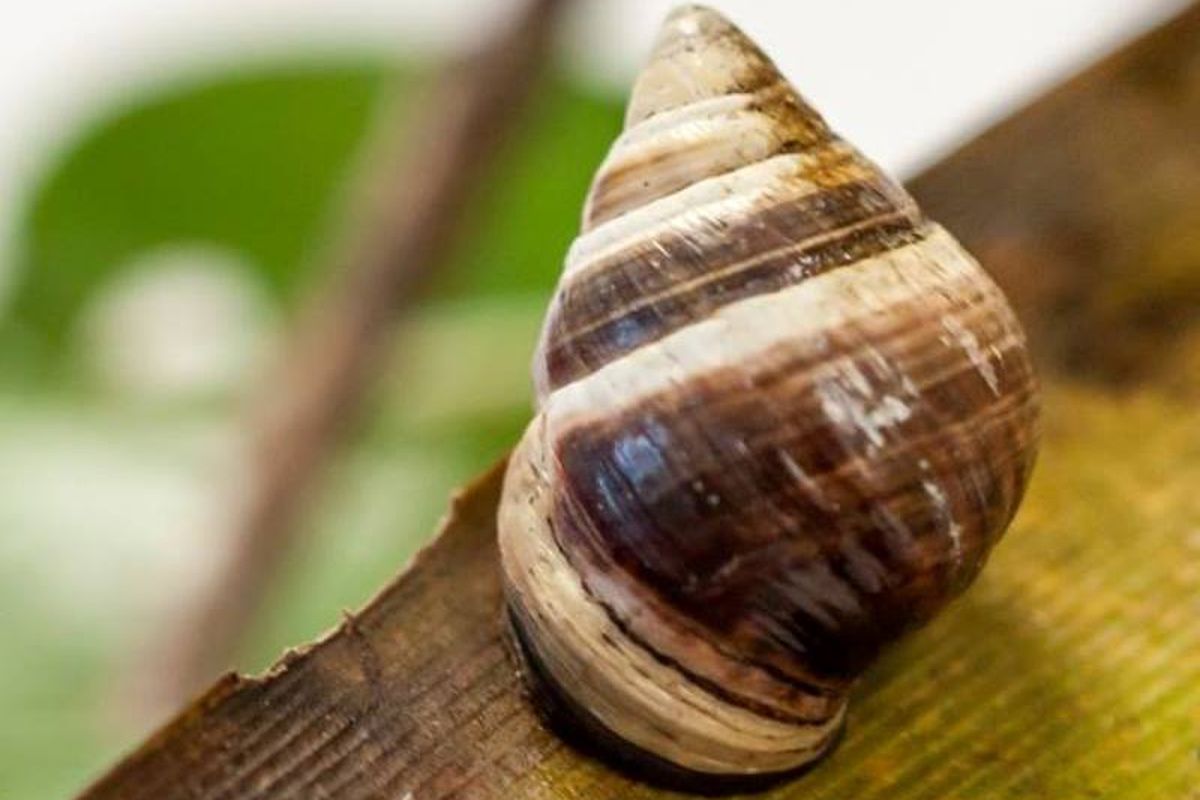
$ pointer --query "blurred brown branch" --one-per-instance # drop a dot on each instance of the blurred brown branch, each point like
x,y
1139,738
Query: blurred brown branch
x,y
408,223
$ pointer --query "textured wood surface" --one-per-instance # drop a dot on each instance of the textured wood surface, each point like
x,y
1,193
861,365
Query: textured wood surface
x,y
1071,670
1085,206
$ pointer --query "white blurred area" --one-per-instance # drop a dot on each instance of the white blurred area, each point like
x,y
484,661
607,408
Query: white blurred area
x,y
182,320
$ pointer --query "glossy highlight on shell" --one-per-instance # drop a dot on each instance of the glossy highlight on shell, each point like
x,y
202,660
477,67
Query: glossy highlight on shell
x,y
782,420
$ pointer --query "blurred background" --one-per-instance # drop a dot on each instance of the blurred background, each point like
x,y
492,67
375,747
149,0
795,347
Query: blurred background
x,y
173,176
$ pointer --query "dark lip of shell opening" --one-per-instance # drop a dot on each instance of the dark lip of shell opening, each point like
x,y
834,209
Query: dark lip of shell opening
x,y
584,732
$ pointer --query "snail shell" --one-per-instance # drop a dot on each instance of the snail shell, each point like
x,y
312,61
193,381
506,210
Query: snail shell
x,y
782,419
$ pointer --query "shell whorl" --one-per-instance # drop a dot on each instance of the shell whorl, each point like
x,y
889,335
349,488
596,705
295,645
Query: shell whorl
x,y
782,420
725,184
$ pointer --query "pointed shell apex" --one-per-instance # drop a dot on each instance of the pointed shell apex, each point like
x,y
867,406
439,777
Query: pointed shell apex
x,y
699,55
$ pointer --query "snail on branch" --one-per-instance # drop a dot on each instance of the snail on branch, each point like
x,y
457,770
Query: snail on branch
x,y
782,420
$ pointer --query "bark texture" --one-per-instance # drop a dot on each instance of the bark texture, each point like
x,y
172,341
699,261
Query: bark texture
x,y
1085,206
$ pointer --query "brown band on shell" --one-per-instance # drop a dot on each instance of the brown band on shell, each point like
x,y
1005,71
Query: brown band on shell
x,y
706,491
701,57
641,294
779,696
773,122
631,691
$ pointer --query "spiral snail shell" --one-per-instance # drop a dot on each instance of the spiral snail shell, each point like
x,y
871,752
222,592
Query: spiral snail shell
x,y
782,419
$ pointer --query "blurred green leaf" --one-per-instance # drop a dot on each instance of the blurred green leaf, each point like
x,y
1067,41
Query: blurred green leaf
x,y
250,161
256,162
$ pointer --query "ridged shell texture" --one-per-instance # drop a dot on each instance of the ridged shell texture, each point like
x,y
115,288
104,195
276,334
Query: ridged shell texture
x,y
782,420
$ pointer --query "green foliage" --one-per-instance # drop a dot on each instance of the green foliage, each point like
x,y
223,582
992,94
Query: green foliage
x,y
256,163
250,162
